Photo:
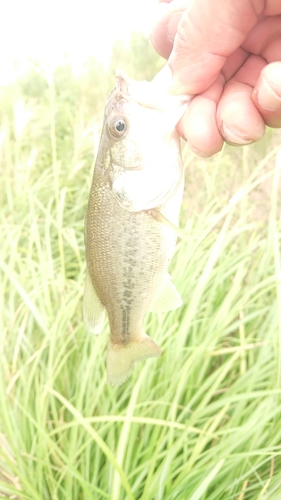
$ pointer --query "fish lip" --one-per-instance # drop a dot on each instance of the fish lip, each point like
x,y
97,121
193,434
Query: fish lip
x,y
148,94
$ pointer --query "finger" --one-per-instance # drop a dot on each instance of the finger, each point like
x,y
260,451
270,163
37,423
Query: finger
x,y
272,8
207,34
233,63
267,94
167,17
198,126
272,51
261,34
237,116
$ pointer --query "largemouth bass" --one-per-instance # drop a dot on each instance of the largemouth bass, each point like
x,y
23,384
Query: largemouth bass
x,y
134,203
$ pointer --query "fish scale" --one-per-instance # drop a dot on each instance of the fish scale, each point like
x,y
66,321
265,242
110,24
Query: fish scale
x,y
127,249
116,264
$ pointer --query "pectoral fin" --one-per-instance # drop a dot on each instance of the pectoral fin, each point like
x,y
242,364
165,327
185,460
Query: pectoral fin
x,y
168,299
162,219
93,310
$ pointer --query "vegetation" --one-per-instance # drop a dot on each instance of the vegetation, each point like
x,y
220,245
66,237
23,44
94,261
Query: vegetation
x,y
202,422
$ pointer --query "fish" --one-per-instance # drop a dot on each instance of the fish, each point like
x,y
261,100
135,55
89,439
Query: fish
x,y
131,220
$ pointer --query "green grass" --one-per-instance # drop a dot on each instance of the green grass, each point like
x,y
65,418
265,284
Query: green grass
x,y
202,421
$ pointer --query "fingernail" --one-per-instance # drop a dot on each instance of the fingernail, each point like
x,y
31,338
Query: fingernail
x,y
235,136
172,25
267,98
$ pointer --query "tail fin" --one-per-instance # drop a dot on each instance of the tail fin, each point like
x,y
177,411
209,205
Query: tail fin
x,y
121,358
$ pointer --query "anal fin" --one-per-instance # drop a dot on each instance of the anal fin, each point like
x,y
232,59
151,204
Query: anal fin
x,y
93,310
168,299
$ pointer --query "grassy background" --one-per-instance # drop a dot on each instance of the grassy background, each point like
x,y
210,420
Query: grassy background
x,y
203,421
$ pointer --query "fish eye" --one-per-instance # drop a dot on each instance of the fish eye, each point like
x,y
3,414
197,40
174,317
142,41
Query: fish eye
x,y
118,127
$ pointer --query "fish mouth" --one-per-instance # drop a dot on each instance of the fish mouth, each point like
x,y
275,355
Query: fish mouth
x,y
148,94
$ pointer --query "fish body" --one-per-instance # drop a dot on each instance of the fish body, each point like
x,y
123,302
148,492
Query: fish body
x,y
138,173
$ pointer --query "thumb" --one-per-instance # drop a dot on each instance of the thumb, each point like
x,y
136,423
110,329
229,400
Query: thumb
x,y
207,33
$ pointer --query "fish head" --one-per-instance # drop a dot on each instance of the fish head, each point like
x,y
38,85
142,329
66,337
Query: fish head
x,y
140,120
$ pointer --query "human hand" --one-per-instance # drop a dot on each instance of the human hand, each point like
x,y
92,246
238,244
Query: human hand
x,y
228,54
